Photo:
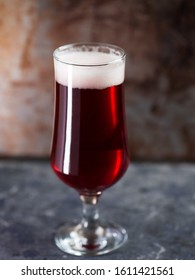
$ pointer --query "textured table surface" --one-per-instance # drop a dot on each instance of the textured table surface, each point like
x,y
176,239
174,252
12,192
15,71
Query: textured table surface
x,y
154,202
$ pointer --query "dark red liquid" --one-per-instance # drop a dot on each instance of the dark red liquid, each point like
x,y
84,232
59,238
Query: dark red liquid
x,y
89,142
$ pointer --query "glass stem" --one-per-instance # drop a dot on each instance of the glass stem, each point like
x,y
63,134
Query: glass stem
x,y
90,220
90,217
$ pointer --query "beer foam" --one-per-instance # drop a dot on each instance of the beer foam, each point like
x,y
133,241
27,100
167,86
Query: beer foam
x,y
94,70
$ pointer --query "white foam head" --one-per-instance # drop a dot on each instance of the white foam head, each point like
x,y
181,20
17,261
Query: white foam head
x,y
89,69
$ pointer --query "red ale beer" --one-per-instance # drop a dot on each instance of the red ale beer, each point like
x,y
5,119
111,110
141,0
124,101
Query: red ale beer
x,y
89,150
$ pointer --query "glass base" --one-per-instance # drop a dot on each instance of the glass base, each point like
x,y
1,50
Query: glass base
x,y
76,240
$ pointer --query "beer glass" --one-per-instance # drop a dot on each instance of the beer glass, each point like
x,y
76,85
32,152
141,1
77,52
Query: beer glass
x,y
89,150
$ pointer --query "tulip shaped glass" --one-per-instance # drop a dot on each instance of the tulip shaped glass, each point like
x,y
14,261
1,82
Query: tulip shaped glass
x,y
89,150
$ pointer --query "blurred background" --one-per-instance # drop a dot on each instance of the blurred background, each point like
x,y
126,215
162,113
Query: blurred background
x,y
159,39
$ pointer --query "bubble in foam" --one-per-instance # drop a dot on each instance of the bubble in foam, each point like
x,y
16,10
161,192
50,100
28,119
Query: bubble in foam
x,y
89,69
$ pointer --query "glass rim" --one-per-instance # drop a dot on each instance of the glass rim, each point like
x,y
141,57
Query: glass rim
x,y
92,44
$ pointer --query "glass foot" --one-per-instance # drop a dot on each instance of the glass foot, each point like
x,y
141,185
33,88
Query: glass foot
x,y
76,240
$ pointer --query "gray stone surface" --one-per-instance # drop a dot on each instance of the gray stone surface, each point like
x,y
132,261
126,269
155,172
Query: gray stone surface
x,y
154,202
